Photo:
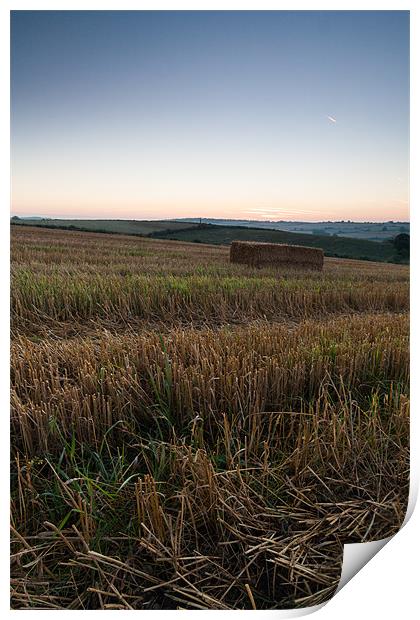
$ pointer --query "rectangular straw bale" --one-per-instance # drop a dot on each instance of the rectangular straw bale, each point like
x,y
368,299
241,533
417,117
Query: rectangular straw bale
x,y
276,254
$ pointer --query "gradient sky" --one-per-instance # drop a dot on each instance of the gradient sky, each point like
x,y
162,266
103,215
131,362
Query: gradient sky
x,y
259,115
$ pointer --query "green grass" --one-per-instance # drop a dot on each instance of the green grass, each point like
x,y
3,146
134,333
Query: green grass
x,y
155,472
125,227
37,298
343,247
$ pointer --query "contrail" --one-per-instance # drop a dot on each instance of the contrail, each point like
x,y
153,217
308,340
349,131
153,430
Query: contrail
x,y
332,119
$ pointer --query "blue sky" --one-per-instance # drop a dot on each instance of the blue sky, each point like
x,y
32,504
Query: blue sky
x,y
219,114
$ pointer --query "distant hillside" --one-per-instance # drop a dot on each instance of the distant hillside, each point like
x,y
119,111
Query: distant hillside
x,y
372,231
333,246
343,247
126,227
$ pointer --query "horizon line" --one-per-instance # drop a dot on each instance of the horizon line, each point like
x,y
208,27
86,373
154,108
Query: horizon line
x,y
186,219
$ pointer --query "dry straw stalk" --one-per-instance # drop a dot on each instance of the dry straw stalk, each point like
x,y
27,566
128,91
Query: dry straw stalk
x,y
258,254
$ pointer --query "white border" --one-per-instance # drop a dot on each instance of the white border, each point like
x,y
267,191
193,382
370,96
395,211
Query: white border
x,y
387,586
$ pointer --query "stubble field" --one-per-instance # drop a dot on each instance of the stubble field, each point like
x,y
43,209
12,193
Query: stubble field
x,y
192,434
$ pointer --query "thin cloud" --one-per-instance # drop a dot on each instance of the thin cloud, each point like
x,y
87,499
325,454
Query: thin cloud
x,y
332,119
286,214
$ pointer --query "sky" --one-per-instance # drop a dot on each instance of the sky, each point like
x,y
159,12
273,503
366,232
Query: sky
x,y
269,115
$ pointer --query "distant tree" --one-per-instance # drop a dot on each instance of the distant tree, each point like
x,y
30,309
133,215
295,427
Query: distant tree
x,y
402,245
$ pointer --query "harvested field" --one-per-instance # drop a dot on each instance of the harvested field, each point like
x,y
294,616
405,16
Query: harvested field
x,y
70,283
188,433
276,254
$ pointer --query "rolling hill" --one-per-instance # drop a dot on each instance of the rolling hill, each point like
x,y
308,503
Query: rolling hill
x,y
125,227
333,246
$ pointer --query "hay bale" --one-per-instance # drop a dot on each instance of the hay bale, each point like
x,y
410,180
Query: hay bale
x,y
276,255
